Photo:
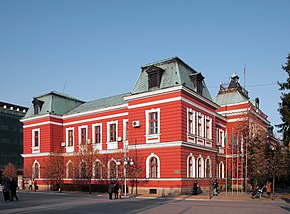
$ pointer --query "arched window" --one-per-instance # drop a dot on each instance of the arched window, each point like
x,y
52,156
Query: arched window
x,y
69,170
83,170
190,166
200,167
98,169
208,168
36,170
221,170
112,169
153,166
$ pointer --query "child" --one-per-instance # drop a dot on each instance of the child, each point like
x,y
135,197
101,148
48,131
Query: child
x,y
120,192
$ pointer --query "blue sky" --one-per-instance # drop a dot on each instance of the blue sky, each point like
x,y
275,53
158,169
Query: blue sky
x,y
91,49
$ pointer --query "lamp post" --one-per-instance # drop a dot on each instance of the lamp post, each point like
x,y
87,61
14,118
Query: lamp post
x,y
126,160
273,171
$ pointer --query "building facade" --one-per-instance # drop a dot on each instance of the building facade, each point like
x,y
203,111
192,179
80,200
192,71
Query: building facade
x,y
11,135
163,135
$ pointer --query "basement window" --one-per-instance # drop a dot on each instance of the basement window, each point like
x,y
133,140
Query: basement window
x,y
152,191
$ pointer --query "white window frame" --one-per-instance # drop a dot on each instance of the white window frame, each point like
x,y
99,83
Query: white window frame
x,y
125,129
191,132
70,148
66,170
201,174
222,133
193,166
201,116
210,168
80,134
208,120
33,169
221,170
35,149
94,169
109,168
152,138
148,166
108,130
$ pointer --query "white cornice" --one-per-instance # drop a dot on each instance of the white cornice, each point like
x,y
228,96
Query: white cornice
x,y
155,102
153,93
96,118
42,123
40,117
42,154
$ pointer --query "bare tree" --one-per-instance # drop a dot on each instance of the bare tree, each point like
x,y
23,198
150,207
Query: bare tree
x,y
10,171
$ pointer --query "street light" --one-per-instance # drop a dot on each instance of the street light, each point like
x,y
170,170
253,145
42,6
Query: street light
x,y
125,160
273,171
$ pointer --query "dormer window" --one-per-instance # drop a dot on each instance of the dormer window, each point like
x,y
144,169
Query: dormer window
x,y
196,80
37,105
154,77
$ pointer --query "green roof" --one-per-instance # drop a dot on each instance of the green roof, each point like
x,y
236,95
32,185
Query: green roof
x,y
176,73
100,104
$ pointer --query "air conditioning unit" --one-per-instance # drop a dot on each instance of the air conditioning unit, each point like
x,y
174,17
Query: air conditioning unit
x,y
63,144
136,124
119,139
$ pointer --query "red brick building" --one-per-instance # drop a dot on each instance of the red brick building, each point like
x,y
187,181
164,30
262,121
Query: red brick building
x,y
168,128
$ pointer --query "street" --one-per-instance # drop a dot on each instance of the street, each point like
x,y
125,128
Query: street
x,y
53,202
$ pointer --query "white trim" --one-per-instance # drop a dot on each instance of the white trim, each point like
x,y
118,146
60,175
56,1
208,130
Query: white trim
x,y
96,118
210,167
80,134
40,117
69,148
94,135
41,124
96,111
193,166
153,93
66,169
152,138
35,149
33,169
148,165
155,102
43,154
125,131
201,167
234,111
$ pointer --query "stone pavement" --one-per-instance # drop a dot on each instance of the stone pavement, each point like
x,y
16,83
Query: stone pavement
x,y
241,196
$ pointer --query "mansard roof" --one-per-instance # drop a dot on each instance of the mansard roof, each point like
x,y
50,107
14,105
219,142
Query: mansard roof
x,y
175,73
100,104
52,103
231,93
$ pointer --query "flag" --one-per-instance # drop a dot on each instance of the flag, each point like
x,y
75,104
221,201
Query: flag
x,y
226,138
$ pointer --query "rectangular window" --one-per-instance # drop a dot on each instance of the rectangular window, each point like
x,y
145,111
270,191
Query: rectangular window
x,y
98,134
83,135
36,138
70,134
199,125
113,132
190,122
207,128
153,123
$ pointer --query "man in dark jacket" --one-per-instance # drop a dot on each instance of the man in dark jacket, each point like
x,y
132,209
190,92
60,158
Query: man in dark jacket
x,y
13,188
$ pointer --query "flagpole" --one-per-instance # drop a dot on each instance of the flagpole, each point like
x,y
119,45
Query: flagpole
x,y
232,159
237,164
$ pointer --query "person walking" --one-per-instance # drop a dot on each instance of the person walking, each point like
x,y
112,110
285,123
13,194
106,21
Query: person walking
x,y
215,187
13,188
35,186
195,186
110,190
268,189
30,185
116,188
6,191
120,192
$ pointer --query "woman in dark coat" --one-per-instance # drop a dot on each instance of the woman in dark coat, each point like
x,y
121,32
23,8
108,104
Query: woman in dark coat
x,y
6,191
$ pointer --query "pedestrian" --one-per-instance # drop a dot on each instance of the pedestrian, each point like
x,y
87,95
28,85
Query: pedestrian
x,y
195,186
13,188
30,184
215,187
6,191
110,190
268,189
116,188
35,186
120,192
